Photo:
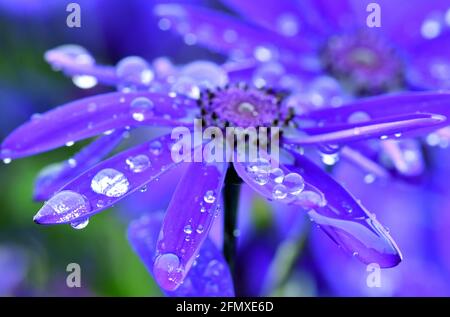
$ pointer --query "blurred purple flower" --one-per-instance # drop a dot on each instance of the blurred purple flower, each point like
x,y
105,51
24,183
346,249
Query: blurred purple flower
x,y
308,38
163,95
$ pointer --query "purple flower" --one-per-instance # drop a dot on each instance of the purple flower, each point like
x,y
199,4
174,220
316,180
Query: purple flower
x,y
308,38
178,253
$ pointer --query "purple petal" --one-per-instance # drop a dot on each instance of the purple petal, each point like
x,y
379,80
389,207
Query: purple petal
x,y
209,275
92,116
108,182
279,16
357,157
187,222
346,221
55,176
382,107
371,129
67,63
224,33
429,64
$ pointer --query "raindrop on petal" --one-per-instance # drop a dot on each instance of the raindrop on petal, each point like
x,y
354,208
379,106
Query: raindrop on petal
x,y
110,182
80,224
209,197
138,163
168,271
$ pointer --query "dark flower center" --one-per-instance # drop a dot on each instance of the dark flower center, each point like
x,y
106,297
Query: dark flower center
x,y
242,106
365,63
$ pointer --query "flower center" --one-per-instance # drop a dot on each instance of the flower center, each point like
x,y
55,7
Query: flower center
x,y
365,63
242,106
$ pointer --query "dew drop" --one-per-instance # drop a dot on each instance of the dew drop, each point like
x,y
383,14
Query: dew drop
x,y
260,171
358,117
70,143
168,271
187,229
78,225
294,183
138,163
202,209
140,108
84,81
133,71
277,175
200,229
209,197
156,147
287,24
7,160
68,203
186,86
110,182
279,192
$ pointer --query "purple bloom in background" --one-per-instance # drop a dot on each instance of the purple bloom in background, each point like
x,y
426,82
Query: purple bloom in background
x,y
177,246
308,38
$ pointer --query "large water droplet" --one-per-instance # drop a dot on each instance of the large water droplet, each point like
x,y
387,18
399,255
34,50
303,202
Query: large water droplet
x,y
133,71
277,175
67,204
205,74
294,183
138,163
141,108
78,225
209,197
279,192
168,271
186,86
260,171
110,182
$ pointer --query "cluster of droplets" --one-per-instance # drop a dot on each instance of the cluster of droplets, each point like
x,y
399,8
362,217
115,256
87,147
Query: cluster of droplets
x,y
285,186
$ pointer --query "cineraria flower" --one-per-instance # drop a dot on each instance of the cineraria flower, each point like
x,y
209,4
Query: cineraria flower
x,y
309,38
178,253
326,54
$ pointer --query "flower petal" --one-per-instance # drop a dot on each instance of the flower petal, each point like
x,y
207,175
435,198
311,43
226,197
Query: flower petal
x,y
371,129
209,275
108,182
89,117
60,60
357,157
187,222
346,221
224,33
385,106
55,176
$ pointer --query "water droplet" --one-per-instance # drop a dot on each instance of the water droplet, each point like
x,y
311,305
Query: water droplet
x,y
72,162
110,182
209,197
430,29
138,163
287,24
205,74
156,147
80,224
358,117
200,229
70,143
140,108
369,178
168,271
133,71
186,86
143,189
294,183
277,175
279,192
263,54
311,197
383,137
84,81
329,159
7,160
67,203
260,171
187,229
202,209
